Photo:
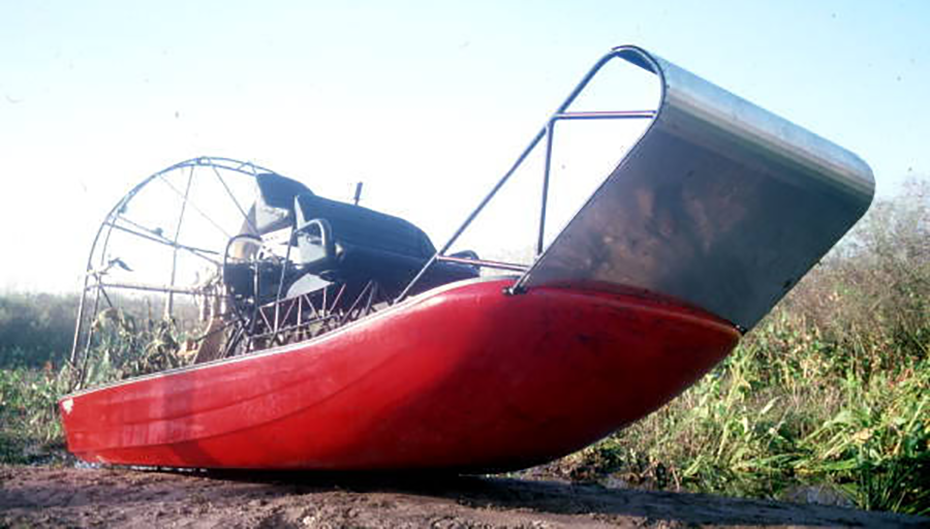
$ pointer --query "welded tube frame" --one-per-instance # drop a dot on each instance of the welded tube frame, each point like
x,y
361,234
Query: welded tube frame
x,y
559,114
483,263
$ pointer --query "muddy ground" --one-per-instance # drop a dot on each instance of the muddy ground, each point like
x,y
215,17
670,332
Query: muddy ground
x,y
115,497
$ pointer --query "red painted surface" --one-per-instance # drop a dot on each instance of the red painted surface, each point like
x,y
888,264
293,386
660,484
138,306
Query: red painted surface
x,y
464,378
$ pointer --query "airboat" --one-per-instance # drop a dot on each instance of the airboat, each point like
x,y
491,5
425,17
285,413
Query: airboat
x,y
336,337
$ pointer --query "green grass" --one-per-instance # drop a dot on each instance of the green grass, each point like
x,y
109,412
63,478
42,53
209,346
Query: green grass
x,y
29,426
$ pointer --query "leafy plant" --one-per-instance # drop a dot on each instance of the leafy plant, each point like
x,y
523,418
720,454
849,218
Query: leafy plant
x,y
124,348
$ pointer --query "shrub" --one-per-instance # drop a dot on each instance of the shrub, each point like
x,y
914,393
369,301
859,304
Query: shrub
x,y
36,328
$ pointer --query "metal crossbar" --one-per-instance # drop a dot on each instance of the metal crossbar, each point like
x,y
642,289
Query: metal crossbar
x,y
561,113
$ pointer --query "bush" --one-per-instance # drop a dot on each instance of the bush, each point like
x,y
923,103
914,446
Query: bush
x,y
36,328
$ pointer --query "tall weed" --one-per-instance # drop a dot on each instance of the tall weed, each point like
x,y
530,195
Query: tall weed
x,y
126,346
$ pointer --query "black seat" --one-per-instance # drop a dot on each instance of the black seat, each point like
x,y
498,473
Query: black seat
x,y
274,209
370,245
365,245
363,228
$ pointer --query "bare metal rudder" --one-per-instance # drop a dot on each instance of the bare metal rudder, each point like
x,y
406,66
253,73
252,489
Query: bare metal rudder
x,y
720,203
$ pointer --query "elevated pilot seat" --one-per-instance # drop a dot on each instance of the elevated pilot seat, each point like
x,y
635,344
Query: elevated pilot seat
x,y
350,244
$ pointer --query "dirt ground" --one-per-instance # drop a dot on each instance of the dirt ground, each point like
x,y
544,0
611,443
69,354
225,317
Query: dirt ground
x,y
115,497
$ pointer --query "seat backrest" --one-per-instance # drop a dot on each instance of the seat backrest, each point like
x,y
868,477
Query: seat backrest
x,y
274,208
356,226
372,246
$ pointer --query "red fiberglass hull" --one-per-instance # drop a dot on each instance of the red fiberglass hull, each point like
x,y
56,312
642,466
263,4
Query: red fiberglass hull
x,y
463,378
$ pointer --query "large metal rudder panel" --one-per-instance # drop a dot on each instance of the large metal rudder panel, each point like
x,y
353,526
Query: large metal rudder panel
x,y
720,204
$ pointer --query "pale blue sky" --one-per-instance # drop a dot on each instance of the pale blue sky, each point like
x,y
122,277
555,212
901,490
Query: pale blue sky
x,y
427,102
